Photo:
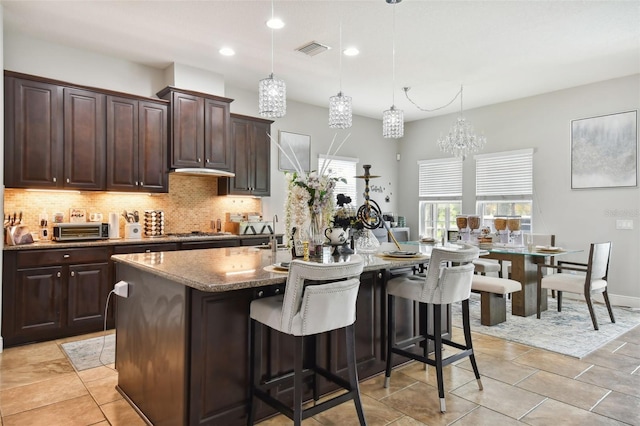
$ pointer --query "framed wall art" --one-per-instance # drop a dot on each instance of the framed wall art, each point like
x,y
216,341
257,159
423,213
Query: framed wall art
x,y
297,148
604,151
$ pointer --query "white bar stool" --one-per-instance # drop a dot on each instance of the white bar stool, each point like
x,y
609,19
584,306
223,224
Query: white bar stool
x,y
318,298
443,284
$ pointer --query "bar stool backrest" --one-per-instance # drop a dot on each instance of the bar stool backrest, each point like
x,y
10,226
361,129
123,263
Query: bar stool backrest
x,y
316,308
444,283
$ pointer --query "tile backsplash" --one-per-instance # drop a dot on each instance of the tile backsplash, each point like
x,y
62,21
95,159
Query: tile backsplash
x,y
191,204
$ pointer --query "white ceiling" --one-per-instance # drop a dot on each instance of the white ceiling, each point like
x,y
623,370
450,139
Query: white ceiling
x,y
499,50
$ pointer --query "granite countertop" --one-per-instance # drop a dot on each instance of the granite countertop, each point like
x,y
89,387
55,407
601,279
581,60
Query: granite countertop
x,y
234,268
124,241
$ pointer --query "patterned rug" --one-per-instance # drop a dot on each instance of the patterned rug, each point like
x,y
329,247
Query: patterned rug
x,y
569,332
91,353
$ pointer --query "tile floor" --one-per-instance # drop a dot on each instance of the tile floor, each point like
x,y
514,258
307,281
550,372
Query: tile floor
x,y
522,385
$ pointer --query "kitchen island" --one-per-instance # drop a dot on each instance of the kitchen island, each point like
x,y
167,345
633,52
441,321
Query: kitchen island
x,y
182,333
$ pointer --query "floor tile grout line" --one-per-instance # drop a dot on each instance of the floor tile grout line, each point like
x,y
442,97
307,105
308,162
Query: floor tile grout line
x,y
584,371
546,398
600,400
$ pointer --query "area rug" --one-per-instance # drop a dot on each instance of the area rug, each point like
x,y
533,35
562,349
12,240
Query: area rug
x,y
91,353
569,332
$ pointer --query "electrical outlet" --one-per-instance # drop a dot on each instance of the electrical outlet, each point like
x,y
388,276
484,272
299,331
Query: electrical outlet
x,y
624,224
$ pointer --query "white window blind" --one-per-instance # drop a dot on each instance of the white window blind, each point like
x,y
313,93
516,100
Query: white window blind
x,y
341,167
505,175
440,179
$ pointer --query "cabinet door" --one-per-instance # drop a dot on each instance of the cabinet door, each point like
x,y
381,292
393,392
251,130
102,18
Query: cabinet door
x,y
33,134
122,144
241,183
152,151
217,149
87,293
187,146
252,160
261,159
84,139
38,301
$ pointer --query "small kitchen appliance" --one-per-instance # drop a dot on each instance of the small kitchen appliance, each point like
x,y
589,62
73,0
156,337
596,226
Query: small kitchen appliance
x,y
80,231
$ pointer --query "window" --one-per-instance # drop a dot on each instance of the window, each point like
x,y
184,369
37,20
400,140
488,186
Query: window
x,y
440,194
341,167
504,186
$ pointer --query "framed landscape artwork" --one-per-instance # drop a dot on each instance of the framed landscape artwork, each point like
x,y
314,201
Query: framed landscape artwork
x,y
297,148
604,151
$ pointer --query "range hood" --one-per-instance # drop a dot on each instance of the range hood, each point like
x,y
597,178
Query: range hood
x,y
194,171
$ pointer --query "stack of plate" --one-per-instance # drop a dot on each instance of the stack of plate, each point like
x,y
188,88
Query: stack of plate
x,y
153,223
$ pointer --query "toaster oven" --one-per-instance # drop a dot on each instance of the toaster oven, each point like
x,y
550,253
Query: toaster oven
x,y
80,231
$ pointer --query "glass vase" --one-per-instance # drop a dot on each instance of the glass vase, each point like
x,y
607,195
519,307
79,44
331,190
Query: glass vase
x,y
316,234
366,242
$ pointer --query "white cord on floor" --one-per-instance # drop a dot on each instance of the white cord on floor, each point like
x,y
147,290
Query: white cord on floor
x,y
104,332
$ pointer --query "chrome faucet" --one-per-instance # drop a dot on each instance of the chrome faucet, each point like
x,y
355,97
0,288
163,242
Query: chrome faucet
x,y
274,240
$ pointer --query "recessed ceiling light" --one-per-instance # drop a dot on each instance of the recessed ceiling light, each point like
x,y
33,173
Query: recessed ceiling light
x,y
351,51
227,51
275,23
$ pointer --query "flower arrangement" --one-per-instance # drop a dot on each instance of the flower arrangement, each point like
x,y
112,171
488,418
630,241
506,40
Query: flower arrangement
x,y
345,215
310,194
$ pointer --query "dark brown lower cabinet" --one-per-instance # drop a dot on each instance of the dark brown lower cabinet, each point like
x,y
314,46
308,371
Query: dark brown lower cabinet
x,y
48,294
209,335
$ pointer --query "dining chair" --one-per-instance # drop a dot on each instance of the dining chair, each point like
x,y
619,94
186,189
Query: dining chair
x,y
591,280
318,298
447,280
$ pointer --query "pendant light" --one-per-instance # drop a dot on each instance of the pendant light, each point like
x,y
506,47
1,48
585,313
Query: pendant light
x,y
393,119
272,92
340,109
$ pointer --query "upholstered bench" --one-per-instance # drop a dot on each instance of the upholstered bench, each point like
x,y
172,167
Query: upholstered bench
x,y
487,266
493,304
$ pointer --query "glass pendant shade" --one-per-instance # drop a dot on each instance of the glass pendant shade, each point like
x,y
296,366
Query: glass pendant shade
x,y
272,97
393,123
461,140
340,111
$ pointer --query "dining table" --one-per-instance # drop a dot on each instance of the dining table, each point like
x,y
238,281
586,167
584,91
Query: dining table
x,y
524,269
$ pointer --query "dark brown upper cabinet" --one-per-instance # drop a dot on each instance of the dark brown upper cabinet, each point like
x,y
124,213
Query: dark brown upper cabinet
x,y
252,158
136,145
199,127
64,136
33,134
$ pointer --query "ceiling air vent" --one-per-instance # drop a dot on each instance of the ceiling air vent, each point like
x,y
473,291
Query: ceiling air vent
x,y
313,48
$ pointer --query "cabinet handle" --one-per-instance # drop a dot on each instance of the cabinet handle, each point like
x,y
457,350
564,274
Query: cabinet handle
x,y
136,183
73,273
199,160
58,274
66,256
260,293
147,251
55,180
208,161
67,180
141,183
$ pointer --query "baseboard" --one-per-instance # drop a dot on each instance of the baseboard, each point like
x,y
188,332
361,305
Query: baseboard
x,y
615,299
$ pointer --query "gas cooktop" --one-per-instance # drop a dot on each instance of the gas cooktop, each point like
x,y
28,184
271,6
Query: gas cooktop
x,y
196,234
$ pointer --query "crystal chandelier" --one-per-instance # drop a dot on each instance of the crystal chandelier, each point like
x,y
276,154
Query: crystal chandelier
x,y
393,119
272,92
461,139
340,111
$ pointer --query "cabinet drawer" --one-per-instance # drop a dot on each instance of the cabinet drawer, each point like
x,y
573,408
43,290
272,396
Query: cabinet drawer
x,y
145,248
31,258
